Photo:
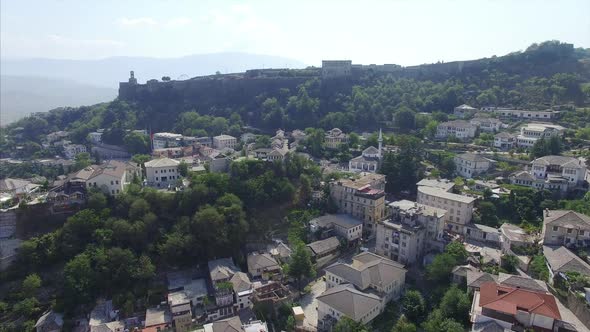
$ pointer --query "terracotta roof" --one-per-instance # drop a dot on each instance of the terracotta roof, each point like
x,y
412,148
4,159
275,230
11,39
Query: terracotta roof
x,y
510,300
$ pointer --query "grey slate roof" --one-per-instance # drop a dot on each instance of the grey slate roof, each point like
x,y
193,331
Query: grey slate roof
x,y
162,162
261,261
559,160
489,326
323,246
222,268
566,218
561,259
476,278
342,220
349,301
522,282
233,324
241,282
472,157
367,269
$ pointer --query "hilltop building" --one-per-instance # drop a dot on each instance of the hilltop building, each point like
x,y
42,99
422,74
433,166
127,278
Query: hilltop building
x,y
460,129
463,111
469,165
532,132
566,228
459,208
161,173
334,138
336,68
224,141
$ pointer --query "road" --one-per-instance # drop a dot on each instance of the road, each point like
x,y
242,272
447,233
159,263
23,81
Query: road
x,y
309,304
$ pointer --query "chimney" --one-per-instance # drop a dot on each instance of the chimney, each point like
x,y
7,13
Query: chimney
x,y
546,212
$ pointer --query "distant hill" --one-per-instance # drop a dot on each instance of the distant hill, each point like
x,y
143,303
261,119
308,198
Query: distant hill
x,y
109,72
22,95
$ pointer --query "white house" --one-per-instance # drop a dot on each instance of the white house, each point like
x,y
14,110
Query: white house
x,y
469,165
224,141
166,140
463,111
504,141
459,208
532,132
460,129
111,178
72,150
557,173
488,125
161,173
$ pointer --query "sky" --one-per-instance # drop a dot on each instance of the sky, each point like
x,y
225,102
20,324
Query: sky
x,y
405,32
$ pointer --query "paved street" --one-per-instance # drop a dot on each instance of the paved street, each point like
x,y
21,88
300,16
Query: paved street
x,y
309,304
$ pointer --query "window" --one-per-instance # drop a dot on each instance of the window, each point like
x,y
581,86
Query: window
x,y
581,233
555,228
569,230
117,182
112,183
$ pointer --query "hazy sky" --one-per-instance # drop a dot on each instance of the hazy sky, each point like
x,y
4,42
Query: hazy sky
x,y
404,32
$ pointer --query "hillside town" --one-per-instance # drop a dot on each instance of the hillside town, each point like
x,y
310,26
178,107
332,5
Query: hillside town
x,y
368,250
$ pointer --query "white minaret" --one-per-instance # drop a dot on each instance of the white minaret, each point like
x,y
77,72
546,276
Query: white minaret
x,y
380,140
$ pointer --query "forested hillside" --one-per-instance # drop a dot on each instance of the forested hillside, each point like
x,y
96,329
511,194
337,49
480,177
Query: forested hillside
x,y
545,75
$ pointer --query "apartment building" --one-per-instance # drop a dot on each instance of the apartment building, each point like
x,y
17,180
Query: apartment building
x,y
412,230
224,141
556,173
166,140
566,228
532,132
360,290
488,125
459,208
334,138
460,129
362,198
469,164
161,173
504,141
72,150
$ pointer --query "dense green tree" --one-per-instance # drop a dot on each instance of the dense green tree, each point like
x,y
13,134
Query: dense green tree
x,y
403,325
455,304
30,285
405,119
413,305
300,266
136,143
346,324
488,214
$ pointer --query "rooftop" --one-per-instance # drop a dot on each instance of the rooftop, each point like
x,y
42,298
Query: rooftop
x,y
504,134
364,181
514,233
368,269
443,184
157,316
241,282
446,195
349,301
223,268
223,137
233,324
322,246
510,300
559,160
473,157
342,220
456,123
566,218
413,208
561,259
162,162
261,261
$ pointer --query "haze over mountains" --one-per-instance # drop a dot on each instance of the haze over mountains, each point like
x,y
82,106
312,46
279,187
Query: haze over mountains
x,y
37,85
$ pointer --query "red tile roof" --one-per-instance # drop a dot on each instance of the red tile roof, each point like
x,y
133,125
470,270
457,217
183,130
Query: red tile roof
x,y
509,300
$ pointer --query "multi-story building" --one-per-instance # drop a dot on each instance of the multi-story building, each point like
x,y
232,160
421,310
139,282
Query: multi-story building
x,y
469,164
460,129
72,150
566,228
488,125
95,137
532,132
363,198
224,141
504,141
345,226
334,138
221,272
336,68
160,173
557,173
533,115
459,208
111,177
412,230
360,290
166,140
263,266
463,111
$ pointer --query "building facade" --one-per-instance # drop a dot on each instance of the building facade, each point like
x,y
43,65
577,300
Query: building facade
x,y
412,230
334,138
566,228
459,208
469,165
224,141
460,129
504,141
556,173
532,132
362,198
161,173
